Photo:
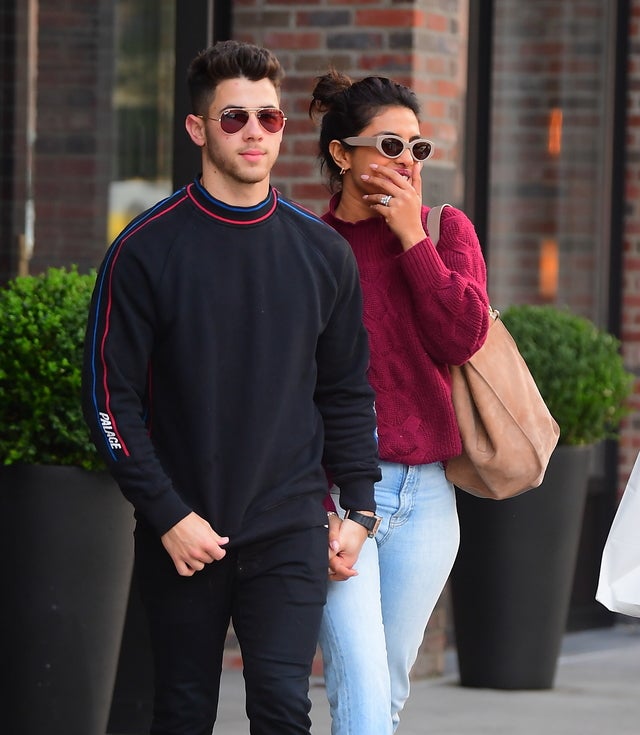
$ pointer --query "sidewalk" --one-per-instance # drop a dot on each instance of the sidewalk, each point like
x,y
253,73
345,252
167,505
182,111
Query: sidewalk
x,y
597,692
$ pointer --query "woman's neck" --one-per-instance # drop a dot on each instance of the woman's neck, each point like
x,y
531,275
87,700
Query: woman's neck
x,y
352,207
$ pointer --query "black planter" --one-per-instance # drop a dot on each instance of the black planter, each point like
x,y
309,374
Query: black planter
x,y
512,580
66,538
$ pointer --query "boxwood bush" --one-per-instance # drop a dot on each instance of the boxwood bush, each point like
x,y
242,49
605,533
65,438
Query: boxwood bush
x,y
578,369
42,325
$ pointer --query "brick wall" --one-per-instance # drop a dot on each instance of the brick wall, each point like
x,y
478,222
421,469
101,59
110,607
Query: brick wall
x,y
630,439
73,149
421,44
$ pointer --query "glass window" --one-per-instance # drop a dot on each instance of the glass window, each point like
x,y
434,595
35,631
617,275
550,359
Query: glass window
x,y
549,153
143,104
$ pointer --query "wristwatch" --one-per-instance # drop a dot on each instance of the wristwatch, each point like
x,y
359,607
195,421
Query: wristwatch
x,y
371,523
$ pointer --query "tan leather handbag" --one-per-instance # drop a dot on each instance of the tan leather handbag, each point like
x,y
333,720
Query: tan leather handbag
x,y
507,431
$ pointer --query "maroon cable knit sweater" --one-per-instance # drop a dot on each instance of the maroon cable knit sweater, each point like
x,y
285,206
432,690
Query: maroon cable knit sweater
x,y
424,309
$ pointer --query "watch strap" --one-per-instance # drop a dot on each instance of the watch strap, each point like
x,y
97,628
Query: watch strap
x,y
371,523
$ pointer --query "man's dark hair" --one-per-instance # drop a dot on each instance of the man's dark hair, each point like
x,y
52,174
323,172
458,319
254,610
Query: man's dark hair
x,y
229,60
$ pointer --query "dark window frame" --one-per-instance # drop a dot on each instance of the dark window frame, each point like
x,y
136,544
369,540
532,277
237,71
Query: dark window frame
x,y
198,24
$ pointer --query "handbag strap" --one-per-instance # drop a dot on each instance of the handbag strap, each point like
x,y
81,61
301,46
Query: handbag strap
x,y
433,226
433,222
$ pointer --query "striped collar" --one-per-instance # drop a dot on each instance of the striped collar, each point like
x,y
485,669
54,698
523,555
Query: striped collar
x,y
228,213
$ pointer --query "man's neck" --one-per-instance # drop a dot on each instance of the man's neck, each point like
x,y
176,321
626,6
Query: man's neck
x,y
235,193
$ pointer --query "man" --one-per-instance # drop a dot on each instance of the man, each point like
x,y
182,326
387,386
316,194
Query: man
x,y
224,372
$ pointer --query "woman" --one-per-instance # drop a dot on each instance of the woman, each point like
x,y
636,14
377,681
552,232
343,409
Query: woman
x,y
425,308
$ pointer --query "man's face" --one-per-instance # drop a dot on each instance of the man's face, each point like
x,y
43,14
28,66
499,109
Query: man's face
x,y
248,155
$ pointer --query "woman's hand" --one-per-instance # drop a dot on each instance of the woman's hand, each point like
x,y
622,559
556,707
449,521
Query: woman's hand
x,y
341,550
399,202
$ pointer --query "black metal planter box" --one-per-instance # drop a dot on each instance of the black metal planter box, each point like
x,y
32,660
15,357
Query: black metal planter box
x,y
512,580
67,547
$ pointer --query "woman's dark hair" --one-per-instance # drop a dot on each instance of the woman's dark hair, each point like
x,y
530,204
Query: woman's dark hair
x,y
229,60
345,108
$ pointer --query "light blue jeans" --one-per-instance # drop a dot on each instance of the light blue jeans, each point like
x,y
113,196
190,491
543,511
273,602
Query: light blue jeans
x,y
373,624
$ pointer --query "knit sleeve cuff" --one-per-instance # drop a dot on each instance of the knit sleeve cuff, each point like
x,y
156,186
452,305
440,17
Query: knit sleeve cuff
x,y
422,264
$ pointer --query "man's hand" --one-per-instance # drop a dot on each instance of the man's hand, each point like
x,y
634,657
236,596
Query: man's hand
x,y
345,542
192,543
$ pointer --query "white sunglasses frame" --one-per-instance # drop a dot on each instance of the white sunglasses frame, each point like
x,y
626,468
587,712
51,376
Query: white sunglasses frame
x,y
375,141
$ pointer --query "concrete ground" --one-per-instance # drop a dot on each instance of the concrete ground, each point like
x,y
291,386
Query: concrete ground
x,y
596,692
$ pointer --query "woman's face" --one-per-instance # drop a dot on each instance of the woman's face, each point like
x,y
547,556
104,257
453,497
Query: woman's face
x,y
396,120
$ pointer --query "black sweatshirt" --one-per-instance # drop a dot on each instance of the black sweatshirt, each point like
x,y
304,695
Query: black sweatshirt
x,y
225,367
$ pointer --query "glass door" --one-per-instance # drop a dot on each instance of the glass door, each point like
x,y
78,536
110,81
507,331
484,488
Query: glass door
x,y
550,154
143,108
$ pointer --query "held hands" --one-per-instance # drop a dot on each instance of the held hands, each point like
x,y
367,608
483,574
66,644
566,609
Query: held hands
x,y
345,542
399,201
192,543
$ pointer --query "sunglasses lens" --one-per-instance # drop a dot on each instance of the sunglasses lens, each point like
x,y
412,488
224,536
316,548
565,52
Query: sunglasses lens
x,y
391,147
421,150
271,120
233,120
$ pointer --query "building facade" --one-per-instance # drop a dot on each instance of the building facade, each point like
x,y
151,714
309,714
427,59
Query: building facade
x,y
534,109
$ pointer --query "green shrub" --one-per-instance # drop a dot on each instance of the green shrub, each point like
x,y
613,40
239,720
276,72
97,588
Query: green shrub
x,y
42,324
577,367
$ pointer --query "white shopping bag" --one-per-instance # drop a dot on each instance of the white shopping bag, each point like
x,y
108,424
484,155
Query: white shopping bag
x,y
619,583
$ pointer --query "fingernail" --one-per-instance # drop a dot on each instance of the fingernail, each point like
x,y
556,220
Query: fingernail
x,y
364,177
335,545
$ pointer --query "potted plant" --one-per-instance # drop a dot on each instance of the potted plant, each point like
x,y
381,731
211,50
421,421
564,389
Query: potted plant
x,y
65,525
578,369
512,581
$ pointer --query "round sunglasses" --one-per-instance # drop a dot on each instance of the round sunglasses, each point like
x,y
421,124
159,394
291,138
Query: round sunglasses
x,y
234,119
393,146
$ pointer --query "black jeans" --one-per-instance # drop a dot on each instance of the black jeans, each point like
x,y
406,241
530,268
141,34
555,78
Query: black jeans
x,y
274,592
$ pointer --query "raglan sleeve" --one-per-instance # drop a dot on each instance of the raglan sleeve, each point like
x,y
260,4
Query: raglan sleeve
x,y
344,396
119,340
447,282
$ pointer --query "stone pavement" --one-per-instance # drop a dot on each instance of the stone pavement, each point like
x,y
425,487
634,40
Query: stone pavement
x,y
596,692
